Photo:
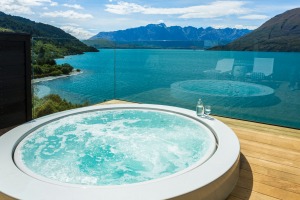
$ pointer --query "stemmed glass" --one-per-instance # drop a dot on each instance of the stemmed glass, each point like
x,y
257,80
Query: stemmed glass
x,y
207,111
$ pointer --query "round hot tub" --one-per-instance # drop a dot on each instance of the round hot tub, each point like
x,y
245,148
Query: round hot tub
x,y
222,92
120,152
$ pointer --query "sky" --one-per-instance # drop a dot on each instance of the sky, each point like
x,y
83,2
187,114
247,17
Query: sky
x,y
86,18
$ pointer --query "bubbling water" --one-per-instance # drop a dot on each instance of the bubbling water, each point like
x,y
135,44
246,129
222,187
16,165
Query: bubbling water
x,y
115,147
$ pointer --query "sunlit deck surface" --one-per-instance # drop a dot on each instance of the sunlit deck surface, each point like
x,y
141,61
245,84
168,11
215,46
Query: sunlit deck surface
x,y
270,161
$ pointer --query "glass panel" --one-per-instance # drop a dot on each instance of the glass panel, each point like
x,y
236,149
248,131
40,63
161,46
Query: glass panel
x,y
71,81
248,85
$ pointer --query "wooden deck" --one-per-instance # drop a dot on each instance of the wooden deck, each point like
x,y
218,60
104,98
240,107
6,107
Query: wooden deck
x,y
270,161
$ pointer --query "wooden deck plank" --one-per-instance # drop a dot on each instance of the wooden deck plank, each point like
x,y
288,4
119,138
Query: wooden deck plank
x,y
267,189
233,198
266,138
270,172
271,181
5,197
274,165
256,127
266,157
270,150
277,130
244,193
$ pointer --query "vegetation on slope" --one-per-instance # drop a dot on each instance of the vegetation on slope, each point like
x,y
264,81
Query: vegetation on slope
x,y
45,70
43,63
46,33
48,43
52,104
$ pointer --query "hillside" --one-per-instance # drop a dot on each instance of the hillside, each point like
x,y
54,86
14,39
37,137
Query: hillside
x,y
43,32
281,33
162,36
48,43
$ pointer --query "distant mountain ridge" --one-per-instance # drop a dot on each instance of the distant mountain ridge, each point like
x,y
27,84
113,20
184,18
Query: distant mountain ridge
x,y
280,33
161,32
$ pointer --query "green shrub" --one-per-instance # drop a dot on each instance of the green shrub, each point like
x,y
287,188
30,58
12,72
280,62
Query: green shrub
x,y
51,104
66,69
37,70
46,108
55,73
51,70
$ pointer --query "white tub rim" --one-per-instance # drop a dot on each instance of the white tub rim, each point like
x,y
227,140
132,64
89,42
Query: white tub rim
x,y
220,162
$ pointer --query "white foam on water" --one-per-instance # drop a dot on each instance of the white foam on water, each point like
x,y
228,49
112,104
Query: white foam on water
x,y
115,147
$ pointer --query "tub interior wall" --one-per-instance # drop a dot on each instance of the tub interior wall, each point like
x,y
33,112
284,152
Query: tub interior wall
x,y
104,133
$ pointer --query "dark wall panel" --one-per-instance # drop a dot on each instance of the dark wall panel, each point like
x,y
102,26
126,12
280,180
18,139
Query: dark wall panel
x,y
15,79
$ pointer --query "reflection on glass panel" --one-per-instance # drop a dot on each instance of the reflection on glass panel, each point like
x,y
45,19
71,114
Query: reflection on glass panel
x,y
256,86
248,85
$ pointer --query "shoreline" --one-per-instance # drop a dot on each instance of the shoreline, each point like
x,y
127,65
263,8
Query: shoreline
x,y
50,78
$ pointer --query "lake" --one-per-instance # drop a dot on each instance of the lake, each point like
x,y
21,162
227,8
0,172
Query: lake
x,y
146,76
139,70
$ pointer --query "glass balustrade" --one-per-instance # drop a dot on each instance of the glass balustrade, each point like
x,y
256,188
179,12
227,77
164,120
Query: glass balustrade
x,y
248,85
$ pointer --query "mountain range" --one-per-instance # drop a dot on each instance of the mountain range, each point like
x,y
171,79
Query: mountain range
x,y
153,32
160,35
280,33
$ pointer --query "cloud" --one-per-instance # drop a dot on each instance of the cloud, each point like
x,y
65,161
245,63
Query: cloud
x,y
22,6
15,8
160,21
53,4
254,17
237,26
216,9
68,14
77,32
212,10
124,8
32,2
75,6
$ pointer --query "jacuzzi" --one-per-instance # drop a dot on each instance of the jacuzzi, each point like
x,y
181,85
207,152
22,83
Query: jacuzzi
x,y
223,92
188,157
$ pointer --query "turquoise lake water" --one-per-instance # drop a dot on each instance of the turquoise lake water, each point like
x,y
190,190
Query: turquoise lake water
x,y
139,70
